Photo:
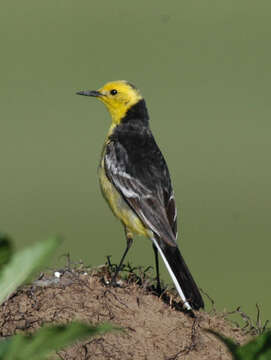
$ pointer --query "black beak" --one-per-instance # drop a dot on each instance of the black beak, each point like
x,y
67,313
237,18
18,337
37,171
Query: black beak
x,y
89,93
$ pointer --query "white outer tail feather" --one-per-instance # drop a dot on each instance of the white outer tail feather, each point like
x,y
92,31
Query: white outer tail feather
x,y
173,277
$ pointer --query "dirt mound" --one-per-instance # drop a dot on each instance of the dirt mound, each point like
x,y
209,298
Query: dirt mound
x,y
154,329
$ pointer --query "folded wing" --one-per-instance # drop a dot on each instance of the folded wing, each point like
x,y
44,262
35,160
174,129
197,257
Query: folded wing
x,y
145,200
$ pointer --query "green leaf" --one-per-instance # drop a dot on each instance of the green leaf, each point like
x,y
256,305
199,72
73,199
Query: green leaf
x,y
4,347
6,250
258,348
23,264
47,339
230,344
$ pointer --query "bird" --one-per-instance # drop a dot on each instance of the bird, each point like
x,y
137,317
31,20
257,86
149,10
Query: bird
x,y
135,181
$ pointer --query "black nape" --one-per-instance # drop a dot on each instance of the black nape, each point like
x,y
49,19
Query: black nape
x,y
137,112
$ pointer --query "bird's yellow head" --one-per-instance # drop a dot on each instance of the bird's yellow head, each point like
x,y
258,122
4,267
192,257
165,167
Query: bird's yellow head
x,y
118,97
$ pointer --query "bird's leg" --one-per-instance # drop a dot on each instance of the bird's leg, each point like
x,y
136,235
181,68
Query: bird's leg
x,y
129,241
158,286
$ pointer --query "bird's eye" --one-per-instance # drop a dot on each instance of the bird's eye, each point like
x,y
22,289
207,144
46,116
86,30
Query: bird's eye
x,y
113,92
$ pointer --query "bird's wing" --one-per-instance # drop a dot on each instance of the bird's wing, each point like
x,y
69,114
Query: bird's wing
x,y
171,210
152,202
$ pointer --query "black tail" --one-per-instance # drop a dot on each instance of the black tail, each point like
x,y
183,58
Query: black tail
x,y
176,264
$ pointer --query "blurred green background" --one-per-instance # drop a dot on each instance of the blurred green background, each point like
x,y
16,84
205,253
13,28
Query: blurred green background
x,y
204,69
